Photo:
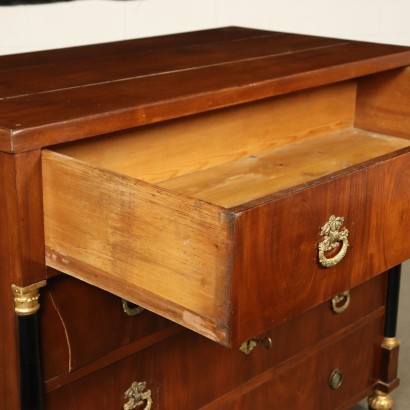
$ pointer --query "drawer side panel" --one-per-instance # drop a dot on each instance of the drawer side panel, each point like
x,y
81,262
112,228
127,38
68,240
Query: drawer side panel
x,y
120,241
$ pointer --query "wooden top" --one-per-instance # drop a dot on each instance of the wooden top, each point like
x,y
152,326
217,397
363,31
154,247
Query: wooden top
x,y
62,95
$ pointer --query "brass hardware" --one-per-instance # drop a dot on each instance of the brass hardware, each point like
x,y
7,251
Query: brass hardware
x,y
131,311
249,345
336,379
341,302
136,396
332,238
380,401
26,299
390,343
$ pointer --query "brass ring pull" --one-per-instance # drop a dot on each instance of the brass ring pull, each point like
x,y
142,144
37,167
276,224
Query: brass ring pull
x,y
249,345
131,311
136,396
341,302
332,239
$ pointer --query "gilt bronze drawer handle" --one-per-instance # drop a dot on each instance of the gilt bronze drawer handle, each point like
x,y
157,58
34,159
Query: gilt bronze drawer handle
x,y
136,396
341,302
249,345
332,239
131,310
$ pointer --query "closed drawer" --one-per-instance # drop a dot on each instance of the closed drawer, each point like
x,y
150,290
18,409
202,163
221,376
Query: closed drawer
x,y
214,221
211,371
336,376
84,328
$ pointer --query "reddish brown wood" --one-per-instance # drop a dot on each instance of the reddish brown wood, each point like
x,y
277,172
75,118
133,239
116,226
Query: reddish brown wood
x,y
203,376
210,371
70,343
94,354
366,300
277,273
305,383
24,210
214,74
388,380
21,255
141,62
9,377
129,48
383,103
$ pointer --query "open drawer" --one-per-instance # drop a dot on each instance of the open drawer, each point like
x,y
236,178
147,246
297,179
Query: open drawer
x,y
216,221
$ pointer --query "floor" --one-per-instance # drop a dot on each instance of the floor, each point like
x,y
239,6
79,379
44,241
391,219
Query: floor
x,y
401,396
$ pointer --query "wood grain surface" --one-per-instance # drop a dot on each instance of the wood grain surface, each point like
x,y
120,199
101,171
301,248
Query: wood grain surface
x,y
203,378
383,103
199,263
51,97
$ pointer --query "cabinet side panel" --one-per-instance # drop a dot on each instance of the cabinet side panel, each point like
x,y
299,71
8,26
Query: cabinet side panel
x,y
9,374
383,103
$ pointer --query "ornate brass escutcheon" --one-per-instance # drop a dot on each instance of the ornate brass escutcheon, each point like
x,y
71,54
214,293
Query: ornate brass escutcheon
x,y
333,237
134,310
249,345
136,396
341,302
336,379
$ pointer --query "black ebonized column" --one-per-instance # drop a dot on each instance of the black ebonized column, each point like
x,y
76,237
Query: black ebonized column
x,y
31,394
392,302
26,306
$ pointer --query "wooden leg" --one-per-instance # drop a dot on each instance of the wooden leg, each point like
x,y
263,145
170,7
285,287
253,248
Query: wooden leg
x,y
380,401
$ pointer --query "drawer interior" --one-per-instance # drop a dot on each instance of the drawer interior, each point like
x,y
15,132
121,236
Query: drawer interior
x,y
237,155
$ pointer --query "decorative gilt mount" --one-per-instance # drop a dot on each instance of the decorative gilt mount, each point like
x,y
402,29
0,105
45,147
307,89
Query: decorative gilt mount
x,y
136,396
131,309
333,237
380,401
26,299
341,302
249,345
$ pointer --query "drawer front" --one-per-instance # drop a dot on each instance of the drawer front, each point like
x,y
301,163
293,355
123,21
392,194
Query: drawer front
x,y
336,376
187,370
81,324
277,268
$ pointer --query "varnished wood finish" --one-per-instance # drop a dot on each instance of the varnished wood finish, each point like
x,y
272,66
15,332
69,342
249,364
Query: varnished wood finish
x,y
222,270
181,147
211,370
22,180
226,92
9,365
22,263
67,101
292,280
304,384
383,103
69,345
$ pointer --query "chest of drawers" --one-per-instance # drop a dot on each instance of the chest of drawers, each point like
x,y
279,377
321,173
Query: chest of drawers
x,y
232,182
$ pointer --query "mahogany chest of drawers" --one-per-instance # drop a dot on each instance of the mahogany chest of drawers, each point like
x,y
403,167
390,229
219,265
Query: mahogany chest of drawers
x,y
210,220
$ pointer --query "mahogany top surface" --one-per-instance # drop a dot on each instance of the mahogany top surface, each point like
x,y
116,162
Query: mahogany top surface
x,y
61,95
